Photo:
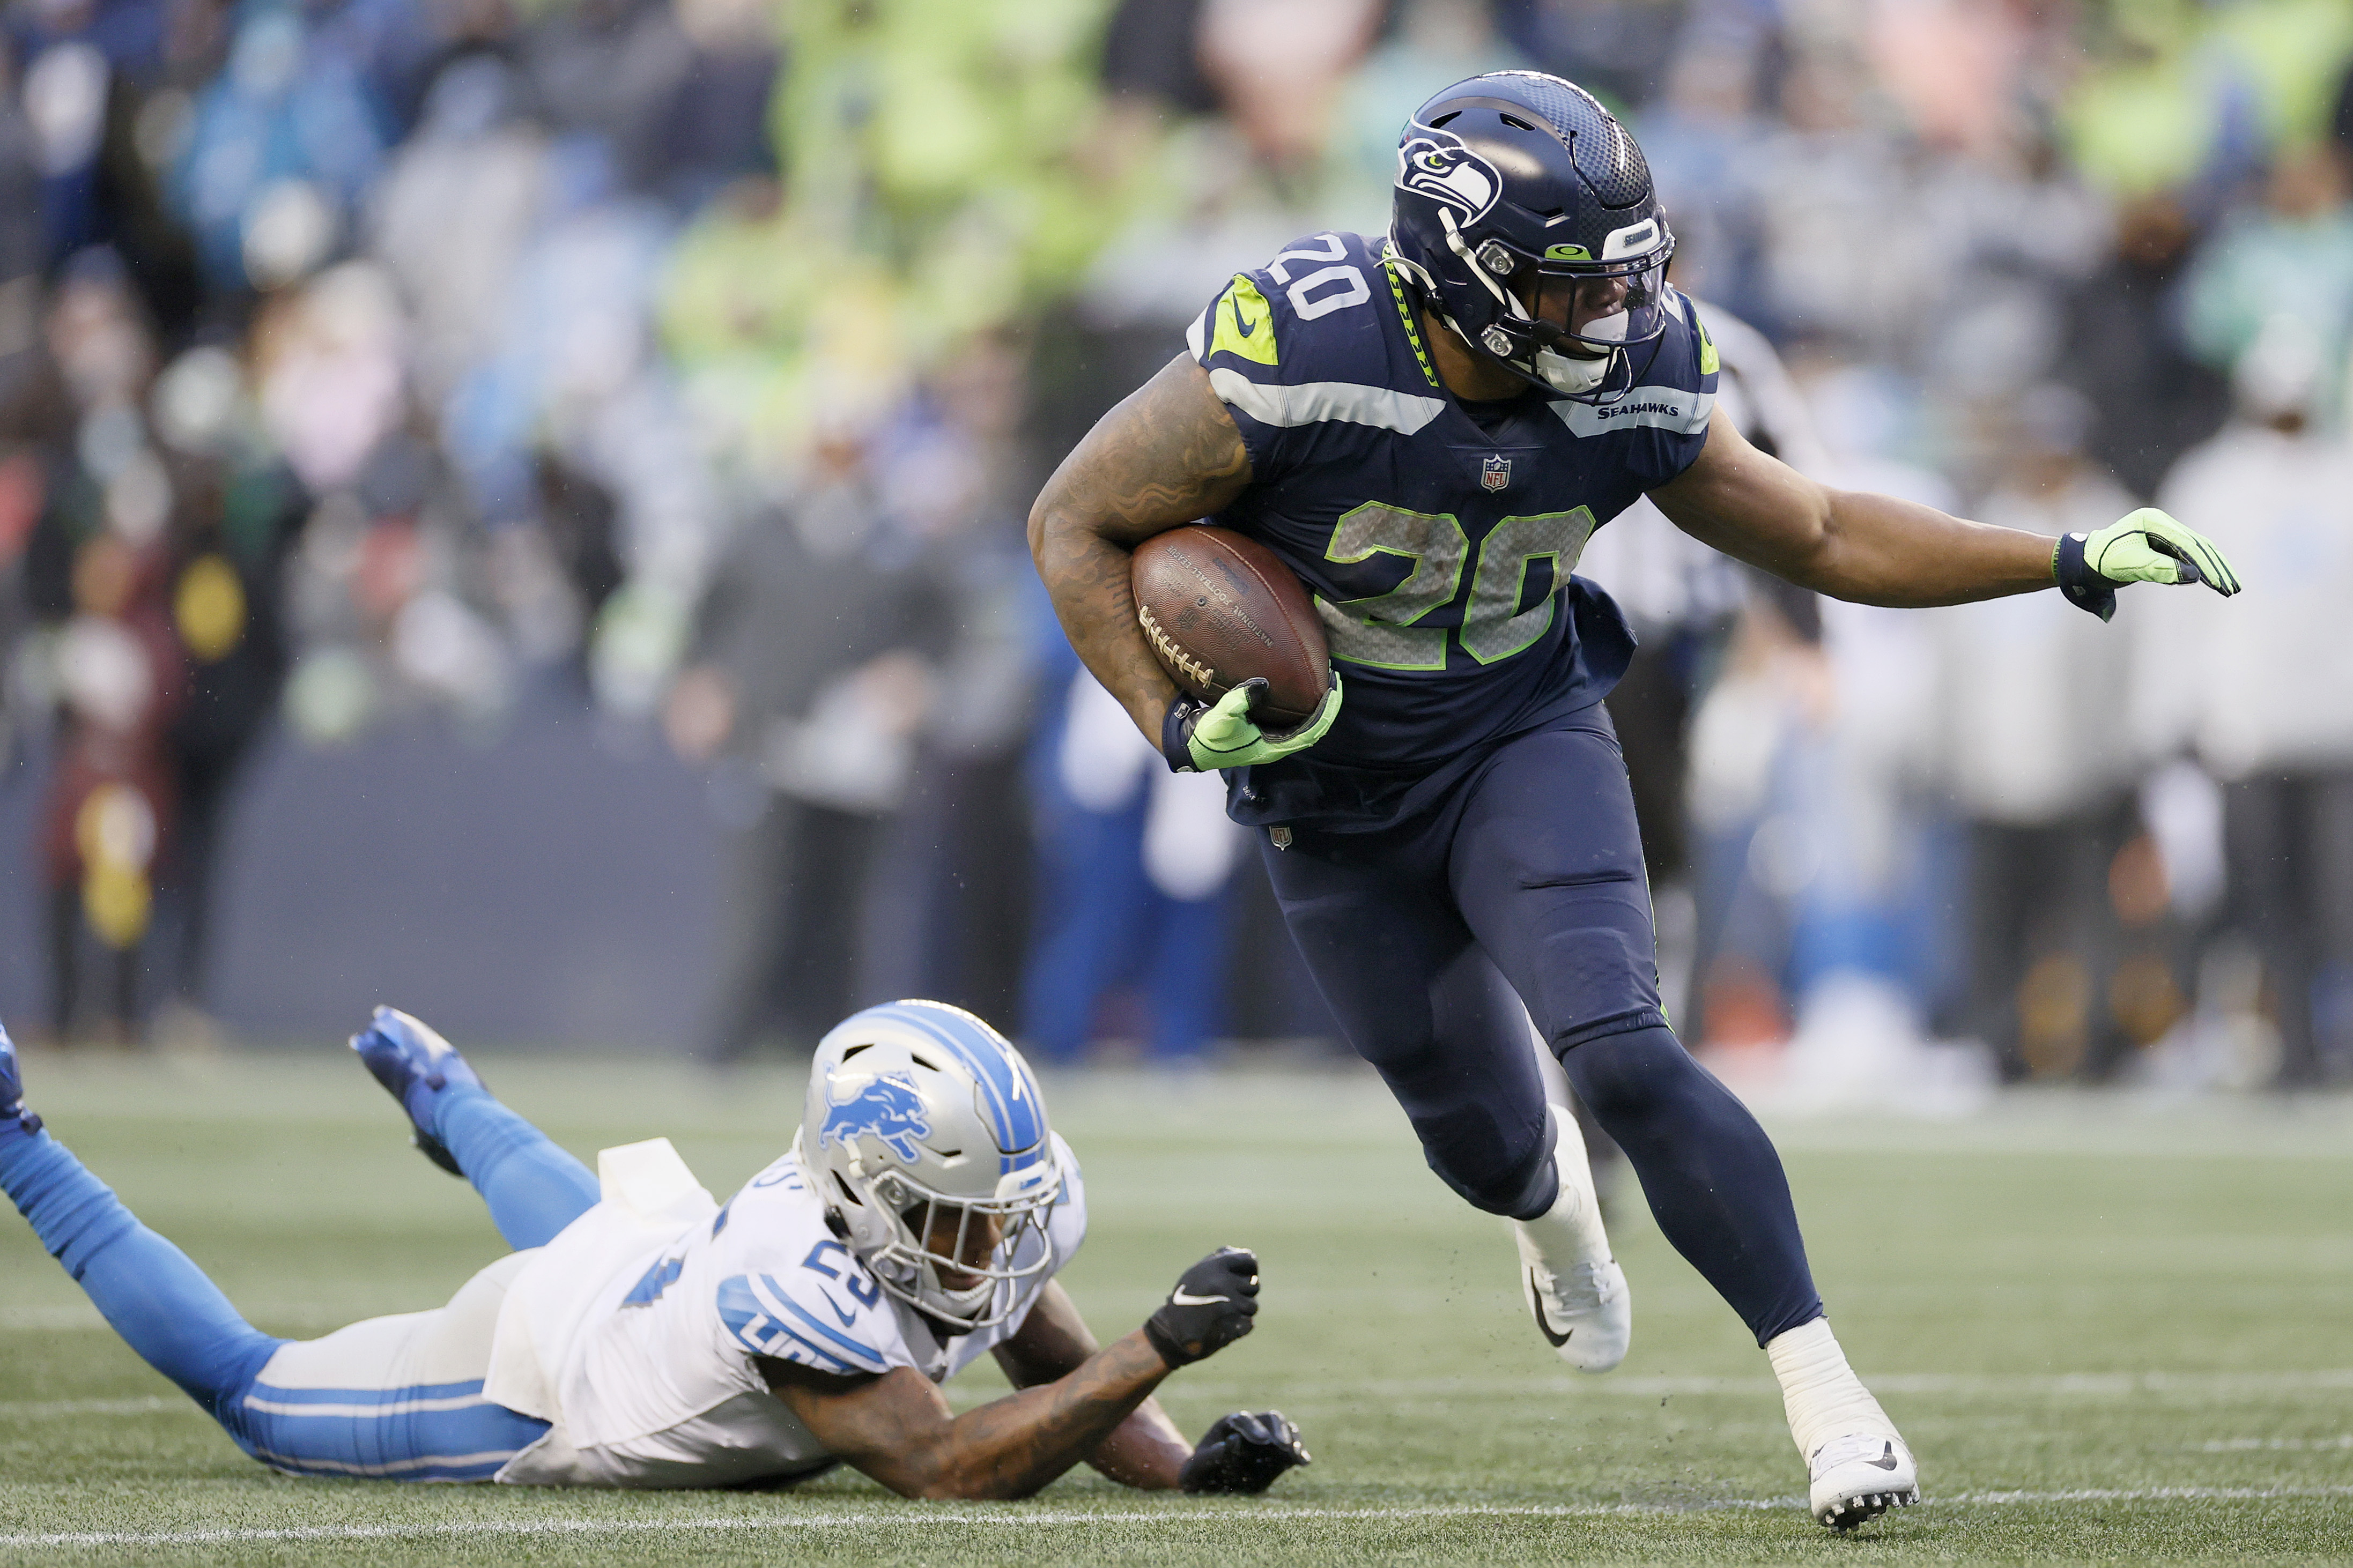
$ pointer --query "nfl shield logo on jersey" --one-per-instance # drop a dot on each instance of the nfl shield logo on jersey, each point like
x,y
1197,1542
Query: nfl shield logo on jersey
x,y
1496,472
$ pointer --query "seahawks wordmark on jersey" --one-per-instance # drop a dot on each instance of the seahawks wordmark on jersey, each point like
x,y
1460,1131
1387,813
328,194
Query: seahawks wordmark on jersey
x,y
1438,542
636,1331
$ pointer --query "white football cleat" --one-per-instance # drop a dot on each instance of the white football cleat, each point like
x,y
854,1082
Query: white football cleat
x,y
1859,1476
1586,1312
1574,1286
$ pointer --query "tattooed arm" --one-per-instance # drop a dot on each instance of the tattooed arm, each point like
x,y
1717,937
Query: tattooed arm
x,y
1167,455
897,1429
1146,1450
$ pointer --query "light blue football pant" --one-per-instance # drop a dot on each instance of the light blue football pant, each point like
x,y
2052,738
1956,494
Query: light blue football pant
x,y
399,1397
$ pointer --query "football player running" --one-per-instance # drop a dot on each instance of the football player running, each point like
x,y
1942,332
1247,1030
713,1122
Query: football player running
x,y
642,1335
1425,426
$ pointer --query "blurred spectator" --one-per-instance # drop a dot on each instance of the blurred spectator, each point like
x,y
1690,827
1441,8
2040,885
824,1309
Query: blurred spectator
x,y
2151,401
237,516
2291,263
809,675
2262,697
2035,750
282,148
119,672
1133,865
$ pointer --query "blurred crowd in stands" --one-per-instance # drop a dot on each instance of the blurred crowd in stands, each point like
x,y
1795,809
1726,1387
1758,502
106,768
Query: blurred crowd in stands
x,y
692,363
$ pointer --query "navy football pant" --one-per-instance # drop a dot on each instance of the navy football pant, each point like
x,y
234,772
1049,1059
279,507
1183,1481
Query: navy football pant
x,y
1525,886
394,1397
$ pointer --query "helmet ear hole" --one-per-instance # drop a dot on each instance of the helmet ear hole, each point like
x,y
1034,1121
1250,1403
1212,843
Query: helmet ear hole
x,y
847,1195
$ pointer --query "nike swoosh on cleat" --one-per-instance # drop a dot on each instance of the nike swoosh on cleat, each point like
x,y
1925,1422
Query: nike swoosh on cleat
x,y
1886,1461
1179,1299
1536,1300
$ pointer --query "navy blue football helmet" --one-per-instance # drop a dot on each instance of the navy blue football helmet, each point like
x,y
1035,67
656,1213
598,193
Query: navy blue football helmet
x,y
1525,212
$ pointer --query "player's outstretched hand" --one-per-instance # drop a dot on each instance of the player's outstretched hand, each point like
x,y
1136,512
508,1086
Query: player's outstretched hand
x,y
1203,739
1212,1307
1242,1455
2145,546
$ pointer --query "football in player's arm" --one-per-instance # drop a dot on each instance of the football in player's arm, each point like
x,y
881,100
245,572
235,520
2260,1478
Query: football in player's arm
x,y
642,1335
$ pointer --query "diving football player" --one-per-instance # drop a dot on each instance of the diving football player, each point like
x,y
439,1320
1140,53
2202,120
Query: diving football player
x,y
642,1335
1426,427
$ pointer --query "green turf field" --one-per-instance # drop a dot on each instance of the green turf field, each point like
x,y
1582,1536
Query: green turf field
x,y
2112,1333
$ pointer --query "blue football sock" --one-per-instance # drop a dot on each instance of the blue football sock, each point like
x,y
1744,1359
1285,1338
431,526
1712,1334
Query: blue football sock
x,y
533,1188
1711,1175
159,1302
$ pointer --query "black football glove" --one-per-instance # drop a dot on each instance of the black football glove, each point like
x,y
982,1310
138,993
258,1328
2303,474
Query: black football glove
x,y
1242,1455
1212,1307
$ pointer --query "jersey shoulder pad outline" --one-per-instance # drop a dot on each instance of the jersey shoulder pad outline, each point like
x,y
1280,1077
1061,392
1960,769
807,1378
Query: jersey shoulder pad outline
x,y
1308,315
1067,1221
791,1315
1676,394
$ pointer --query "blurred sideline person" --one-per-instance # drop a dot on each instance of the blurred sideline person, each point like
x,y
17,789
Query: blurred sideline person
x,y
809,678
1134,864
2261,698
645,1336
1427,428
2041,769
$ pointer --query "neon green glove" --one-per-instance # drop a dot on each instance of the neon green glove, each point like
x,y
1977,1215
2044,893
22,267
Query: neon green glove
x,y
2145,546
1199,738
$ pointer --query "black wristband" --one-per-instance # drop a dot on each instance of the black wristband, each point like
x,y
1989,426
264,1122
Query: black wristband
x,y
2085,589
1170,1351
1176,735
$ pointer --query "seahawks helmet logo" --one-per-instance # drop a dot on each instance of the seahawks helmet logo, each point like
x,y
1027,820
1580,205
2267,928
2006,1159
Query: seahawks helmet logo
x,y
1449,174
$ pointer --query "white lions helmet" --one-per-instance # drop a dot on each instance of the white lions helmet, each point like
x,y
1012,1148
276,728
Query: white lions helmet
x,y
925,1131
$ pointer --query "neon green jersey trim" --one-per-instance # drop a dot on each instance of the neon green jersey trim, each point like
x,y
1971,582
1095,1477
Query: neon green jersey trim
x,y
1707,356
1405,314
1245,323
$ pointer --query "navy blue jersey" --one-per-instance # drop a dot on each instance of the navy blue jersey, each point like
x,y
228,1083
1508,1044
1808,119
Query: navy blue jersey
x,y
1440,547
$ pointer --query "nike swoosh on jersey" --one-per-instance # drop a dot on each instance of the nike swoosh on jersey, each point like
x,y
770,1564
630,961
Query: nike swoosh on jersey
x,y
1535,1298
1243,324
1179,1299
847,1318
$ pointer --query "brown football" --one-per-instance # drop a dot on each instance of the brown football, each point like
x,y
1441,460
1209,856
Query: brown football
x,y
1219,609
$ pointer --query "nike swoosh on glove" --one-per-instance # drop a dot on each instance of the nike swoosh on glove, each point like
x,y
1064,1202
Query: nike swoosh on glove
x,y
2145,546
1212,1307
1197,738
1242,1454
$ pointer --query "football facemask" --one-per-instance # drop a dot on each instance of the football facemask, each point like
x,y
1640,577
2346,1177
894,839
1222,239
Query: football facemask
x,y
961,1263
1569,326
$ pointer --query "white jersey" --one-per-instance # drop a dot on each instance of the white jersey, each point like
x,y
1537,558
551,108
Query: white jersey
x,y
635,1331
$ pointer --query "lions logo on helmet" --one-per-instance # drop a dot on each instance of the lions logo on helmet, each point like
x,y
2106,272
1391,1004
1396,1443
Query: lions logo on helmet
x,y
1446,171
890,1109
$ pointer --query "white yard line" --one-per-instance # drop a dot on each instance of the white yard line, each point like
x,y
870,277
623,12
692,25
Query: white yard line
x,y
1179,1517
34,1410
2077,1384
2276,1444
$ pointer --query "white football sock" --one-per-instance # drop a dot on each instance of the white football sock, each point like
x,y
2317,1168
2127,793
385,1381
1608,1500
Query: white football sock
x,y
1571,1229
1819,1392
